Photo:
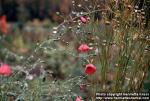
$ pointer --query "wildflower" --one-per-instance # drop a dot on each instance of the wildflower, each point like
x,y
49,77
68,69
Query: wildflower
x,y
5,70
3,24
83,19
82,87
84,48
78,98
90,69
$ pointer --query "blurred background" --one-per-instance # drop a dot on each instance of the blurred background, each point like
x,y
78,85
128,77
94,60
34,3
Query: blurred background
x,y
31,22
24,10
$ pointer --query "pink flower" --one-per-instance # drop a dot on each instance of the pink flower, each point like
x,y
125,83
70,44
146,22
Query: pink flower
x,y
84,48
3,24
78,98
5,70
83,19
90,69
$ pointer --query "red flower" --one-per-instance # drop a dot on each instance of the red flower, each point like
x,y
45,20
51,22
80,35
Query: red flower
x,y
84,48
5,70
78,98
90,69
83,19
3,24
82,87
